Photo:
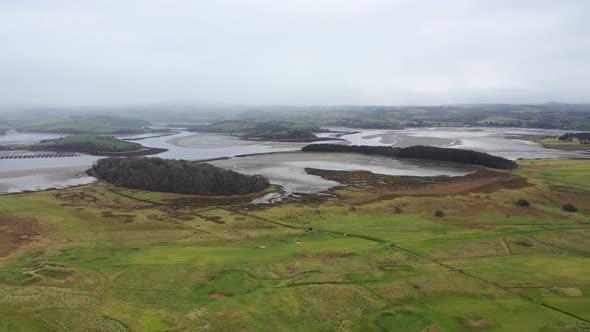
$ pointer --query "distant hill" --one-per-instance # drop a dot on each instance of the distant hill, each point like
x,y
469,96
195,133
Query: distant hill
x,y
549,116
85,124
258,131
177,176
283,135
237,127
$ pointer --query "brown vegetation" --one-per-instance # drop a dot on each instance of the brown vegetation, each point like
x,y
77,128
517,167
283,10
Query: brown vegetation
x,y
17,232
387,186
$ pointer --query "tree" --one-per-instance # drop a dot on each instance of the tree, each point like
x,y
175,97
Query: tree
x,y
178,176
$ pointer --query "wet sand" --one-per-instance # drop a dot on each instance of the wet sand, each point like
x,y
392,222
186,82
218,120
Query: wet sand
x,y
288,169
503,142
401,140
43,178
217,141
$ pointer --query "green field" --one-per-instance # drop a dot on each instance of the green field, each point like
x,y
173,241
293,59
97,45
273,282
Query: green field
x,y
554,143
90,259
90,142
83,124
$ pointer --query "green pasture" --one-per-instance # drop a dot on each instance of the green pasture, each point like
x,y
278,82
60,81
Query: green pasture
x,y
101,258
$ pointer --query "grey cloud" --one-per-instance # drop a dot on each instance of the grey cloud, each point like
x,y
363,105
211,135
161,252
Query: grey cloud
x,y
293,52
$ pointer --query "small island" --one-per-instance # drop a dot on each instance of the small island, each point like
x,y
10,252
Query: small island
x,y
258,131
176,176
96,145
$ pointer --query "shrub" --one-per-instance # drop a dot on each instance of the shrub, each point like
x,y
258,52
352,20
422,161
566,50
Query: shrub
x,y
569,208
439,213
397,209
523,202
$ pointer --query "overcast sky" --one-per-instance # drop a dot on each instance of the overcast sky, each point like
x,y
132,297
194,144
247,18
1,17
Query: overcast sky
x,y
109,52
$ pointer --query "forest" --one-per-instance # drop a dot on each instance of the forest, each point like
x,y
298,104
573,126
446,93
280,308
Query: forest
x,y
176,176
420,152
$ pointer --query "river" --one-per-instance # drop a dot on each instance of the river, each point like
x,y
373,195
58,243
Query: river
x,y
18,175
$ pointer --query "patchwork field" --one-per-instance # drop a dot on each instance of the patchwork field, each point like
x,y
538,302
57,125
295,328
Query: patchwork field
x,y
366,258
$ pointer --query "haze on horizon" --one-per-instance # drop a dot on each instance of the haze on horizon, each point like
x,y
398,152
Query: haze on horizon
x,y
320,52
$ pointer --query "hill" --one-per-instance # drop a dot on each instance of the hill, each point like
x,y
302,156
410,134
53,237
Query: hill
x,y
85,124
177,176
258,131
283,135
550,116
236,127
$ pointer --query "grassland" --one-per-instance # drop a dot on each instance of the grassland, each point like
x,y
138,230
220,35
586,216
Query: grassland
x,y
83,124
554,143
91,144
100,258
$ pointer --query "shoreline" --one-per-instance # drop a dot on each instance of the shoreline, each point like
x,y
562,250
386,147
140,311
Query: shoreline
x,y
144,151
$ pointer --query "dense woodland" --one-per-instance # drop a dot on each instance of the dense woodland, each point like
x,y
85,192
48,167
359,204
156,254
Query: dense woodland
x,y
584,138
177,176
420,152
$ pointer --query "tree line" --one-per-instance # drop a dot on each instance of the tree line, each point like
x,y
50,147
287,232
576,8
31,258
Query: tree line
x,y
584,138
177,176
420,152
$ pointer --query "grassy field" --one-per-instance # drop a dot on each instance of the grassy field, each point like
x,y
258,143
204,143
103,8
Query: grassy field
x,y
84,124
94,142
554,143
91,259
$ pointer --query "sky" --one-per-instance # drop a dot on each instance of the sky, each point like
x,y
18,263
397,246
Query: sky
x,y
295,52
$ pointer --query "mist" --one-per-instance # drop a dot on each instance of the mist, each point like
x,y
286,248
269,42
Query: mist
x,y
378,52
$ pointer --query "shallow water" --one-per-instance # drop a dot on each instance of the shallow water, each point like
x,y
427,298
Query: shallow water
x,y
13,137
204,146
503,142
288,169
43,178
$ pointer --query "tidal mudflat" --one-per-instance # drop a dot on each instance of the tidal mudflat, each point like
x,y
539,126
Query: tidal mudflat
x,y
503,142
288,169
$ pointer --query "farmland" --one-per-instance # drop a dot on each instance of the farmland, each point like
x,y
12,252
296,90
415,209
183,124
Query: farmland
x,y
369,258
